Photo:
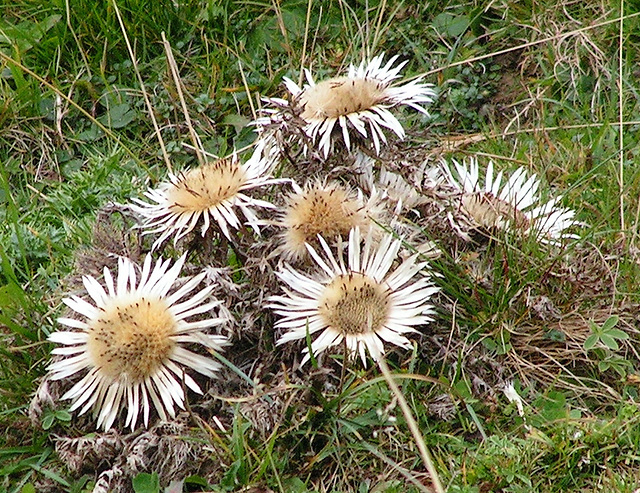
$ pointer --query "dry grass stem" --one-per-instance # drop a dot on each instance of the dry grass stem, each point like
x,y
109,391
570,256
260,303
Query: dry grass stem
x,y
525,45
147,102
175,74
621,115
413,426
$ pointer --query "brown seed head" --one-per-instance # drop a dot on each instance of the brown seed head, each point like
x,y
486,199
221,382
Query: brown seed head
x,y
205,187
327,210
354,304
132,338
491,212
340,96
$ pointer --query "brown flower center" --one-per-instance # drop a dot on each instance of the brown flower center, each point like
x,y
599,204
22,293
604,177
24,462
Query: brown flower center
x,y
340,96
354,304
205,187
491,212
132,338
327,211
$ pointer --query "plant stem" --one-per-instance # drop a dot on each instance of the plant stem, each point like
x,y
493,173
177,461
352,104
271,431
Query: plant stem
x,y
413,426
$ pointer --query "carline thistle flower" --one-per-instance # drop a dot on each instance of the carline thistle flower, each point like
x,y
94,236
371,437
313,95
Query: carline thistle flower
x,y
354,102
329,210
209,192
130,340
359,303
514,205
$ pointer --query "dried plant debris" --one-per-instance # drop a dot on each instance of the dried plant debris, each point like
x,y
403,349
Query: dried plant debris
x,y
46,397
266,406
113,236
168,448
590,270
90,453
443,407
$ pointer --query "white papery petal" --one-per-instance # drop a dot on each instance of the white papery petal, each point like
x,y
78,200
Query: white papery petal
x,y
106,391
548,221
407,307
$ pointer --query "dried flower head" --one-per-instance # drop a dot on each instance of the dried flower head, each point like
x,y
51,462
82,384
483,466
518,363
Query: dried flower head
x,y
130,341
392,186
210,191
361,98
360,303
514,205
327,209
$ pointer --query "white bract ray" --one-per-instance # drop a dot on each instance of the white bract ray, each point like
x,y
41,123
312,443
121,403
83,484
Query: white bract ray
x,y
360,303
512,204
129,340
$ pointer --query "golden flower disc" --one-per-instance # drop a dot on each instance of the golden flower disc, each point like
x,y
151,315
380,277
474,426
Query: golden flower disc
x,y
132,338
354,304
202,188
328,212
339,97
489,211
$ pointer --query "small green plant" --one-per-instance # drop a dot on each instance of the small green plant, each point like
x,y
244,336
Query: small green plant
x,y
617,363
607,334
51,417
146,483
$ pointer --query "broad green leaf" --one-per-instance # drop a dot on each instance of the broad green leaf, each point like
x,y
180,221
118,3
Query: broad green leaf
x,y
609,323
47,421
146,483
553,406
451,25
294,485
556,335
237,121
591,341
618,334
64,416
118,116
609,341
